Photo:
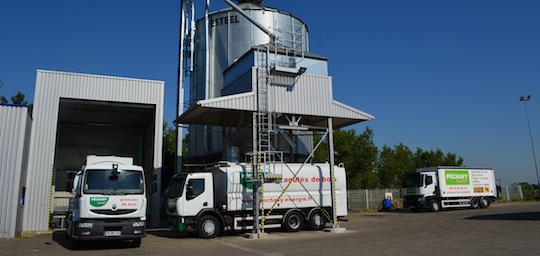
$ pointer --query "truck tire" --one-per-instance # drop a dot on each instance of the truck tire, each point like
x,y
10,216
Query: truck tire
x,y
475,202
293,222
484,202
434,205
208,227
317,220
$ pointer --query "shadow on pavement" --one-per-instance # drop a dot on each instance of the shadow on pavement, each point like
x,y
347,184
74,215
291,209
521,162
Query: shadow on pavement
x,y
61,238
166,233
508,216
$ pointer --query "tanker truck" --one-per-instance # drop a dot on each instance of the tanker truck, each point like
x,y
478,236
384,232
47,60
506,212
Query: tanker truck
x,y
220,198
109,201
443,187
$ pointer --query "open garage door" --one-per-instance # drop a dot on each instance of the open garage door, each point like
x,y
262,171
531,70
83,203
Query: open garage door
x,y
87,127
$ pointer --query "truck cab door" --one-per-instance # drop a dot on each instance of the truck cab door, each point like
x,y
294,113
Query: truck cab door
x,y
429,184
199,191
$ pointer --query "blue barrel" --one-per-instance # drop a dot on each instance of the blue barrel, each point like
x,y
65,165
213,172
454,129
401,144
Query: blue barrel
x,y
387,203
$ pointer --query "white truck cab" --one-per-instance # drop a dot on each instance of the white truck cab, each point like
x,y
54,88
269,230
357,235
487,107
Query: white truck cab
x,y
109,201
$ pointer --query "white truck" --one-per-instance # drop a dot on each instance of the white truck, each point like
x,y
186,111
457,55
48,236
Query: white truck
x,y
109,201
220,198
442,187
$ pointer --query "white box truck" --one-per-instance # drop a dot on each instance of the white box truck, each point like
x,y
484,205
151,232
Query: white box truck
x,y
442,187
220,198
109,201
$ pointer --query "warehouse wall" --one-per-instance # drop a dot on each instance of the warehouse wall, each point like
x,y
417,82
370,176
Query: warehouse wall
x,y
15,127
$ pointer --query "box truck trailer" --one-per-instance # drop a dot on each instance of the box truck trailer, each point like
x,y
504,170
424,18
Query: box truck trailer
x,y
220,198
109,201
442,187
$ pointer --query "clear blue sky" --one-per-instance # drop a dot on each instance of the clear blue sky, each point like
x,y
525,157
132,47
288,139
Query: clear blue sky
x,y
436,74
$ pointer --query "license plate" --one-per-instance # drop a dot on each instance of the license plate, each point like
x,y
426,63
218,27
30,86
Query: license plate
x,y
113,233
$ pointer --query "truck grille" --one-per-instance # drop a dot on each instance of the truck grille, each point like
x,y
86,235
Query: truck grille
x,y
111,212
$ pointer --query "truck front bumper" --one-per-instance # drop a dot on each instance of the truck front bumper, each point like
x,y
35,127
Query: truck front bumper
x,y
100,229
415,202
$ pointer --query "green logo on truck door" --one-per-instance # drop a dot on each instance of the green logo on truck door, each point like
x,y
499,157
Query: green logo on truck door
x,y
457,177
98,201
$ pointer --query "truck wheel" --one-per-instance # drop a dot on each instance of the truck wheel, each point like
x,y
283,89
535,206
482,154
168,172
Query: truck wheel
x,y
475,202
484,202
317,221
208,227
434,205
293,222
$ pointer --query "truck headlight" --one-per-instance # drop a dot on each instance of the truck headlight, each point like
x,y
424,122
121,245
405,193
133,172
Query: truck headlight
x,y
138,224
86,225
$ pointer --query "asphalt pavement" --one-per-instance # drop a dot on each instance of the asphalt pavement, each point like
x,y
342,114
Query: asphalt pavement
x,y
502,229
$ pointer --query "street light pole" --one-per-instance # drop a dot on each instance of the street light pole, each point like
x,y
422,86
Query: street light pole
x,y
530,133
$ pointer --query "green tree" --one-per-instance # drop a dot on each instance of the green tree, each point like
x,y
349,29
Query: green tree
x,y
394,164
18,99
345,147
357,152
436,158
367,167
367,155
321,153
169,151
529,192
169,146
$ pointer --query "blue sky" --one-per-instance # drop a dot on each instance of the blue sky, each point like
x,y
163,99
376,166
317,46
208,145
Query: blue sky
x,y
435,74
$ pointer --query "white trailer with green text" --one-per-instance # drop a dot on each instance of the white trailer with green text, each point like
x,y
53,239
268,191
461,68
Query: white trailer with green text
x,y
110,201
446,187
220,198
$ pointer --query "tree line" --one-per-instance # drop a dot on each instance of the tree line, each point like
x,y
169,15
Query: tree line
x,y
369,167
17,99
366,165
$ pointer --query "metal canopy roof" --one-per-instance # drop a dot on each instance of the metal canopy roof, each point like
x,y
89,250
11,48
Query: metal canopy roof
x,y
236,111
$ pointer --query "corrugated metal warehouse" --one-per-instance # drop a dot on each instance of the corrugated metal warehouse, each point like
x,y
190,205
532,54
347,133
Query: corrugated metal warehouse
x,y
76,115
15,126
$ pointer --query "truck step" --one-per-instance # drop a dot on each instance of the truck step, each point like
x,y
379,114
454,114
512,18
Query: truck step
x,y
246,223
455,203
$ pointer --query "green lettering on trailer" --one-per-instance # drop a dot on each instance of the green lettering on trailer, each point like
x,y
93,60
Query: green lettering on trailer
x,y
457,177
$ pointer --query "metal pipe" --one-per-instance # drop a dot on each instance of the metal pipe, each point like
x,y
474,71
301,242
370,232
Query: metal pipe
x,y
180,80
206,51
531,135
332,172
265,30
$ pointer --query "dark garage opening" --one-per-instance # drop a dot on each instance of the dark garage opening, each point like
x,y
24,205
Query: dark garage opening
x,y
87,127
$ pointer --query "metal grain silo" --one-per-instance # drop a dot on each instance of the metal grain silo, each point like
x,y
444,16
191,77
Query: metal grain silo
x,y
230,35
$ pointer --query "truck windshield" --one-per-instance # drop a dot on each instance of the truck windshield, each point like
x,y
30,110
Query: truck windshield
x,y
176,186
106,183
412,180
